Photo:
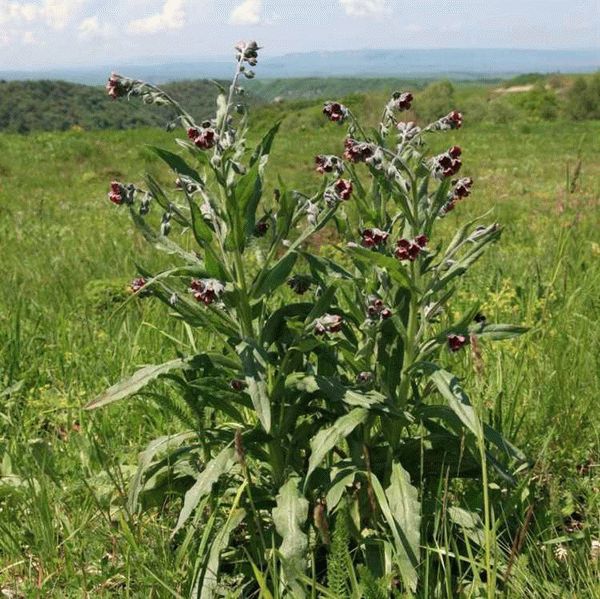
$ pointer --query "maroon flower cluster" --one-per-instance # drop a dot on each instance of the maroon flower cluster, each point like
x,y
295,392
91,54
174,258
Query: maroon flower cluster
x,y
117,87
448,163
456,342
453,120
328,164
462,189
373,237
343,189
328,323
357,151
204,138
409,250
117,193
402,100
206,291
299,284
137,284
335,112
376,309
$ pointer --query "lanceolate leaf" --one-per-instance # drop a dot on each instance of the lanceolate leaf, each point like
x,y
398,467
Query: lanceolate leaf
x,y
136,382
221,542
264,147
403,500
497,332
269,281
448,385
254,369
289,517
204,484
328,438
177,163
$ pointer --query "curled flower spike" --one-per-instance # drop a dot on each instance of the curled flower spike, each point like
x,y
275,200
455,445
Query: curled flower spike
x,y
456,342
402,100
328,323
328,164
462,188
409,250
357,151
300,284
249,52
118,86
335,112
137,284
206,290
204,138
373,237
343,189
117,193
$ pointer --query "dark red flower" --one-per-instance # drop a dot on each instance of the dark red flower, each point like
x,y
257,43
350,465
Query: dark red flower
x,y
357,151
408,250
462,189
455,151
300,284
206,290
456,342
335,112
328,164
386,313
116,193
446,164
343,188
373,237
403,100
204,138
421,240
237,385
117,87
455,119
137,284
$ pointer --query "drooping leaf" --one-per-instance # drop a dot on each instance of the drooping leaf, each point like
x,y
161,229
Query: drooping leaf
x,y
449,386
254,365
289,517
133,384
328,438
213,470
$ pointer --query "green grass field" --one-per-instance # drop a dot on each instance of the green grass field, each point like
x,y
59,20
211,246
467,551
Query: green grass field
x,y
66,332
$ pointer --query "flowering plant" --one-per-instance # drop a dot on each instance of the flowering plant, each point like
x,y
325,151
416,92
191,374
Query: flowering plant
x,y
319,387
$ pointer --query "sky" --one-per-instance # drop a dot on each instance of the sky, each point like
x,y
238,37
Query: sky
x,y
63,33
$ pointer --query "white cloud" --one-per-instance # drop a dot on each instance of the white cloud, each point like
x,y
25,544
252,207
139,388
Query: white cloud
x,y
91,28
29,38
247,13
364,8
172,16
56,13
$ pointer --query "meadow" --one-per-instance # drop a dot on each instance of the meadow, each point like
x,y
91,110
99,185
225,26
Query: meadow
x,y
69,328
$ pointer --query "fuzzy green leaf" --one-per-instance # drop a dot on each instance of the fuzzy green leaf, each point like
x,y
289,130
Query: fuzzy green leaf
x,y
254,369
133,384
177,163
270,280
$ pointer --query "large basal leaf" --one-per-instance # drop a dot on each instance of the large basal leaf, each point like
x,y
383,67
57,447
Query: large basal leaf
x,y
328,438
133,384
403,499
449,386
289,517
204,484
254,370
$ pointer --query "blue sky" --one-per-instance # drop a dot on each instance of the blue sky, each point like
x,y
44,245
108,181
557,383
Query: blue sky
x,y
56,33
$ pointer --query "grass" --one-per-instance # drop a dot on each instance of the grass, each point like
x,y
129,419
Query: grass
x,y
66,333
